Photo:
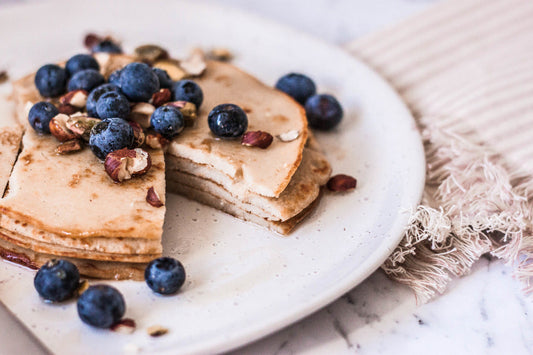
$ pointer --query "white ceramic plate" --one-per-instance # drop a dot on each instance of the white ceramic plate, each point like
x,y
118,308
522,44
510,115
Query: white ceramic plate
x,y
243,282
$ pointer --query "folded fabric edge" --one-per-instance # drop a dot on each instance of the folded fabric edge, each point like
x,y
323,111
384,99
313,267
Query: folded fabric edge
x,y
469,208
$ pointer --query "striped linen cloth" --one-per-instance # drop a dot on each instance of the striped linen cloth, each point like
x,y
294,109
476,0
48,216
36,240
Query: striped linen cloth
x,y
465,69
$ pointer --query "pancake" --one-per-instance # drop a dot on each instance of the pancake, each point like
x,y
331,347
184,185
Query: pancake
x,y
66,206
302,190
265,172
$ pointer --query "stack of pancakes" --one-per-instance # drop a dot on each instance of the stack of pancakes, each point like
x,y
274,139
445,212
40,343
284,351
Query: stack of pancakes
x,y
273,187
66,205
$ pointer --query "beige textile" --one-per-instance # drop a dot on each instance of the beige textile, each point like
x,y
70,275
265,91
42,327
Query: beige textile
x,y
465,69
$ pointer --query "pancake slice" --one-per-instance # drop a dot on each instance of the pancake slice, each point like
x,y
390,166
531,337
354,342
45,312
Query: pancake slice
x,y
265,172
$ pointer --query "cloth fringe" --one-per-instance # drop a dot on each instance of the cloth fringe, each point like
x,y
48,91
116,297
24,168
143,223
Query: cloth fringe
x,y
469,208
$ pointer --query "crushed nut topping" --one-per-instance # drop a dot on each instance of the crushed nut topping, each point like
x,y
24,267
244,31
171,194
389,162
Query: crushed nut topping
x,y
195,64
152,197
187,109
220,54
124,326
156,141
258,139
138,134
69,147
289,136
156,330
161,97
81,125
150,53
341,183
84,285
125,163
172,67
3,76
58,128
76,98
141,113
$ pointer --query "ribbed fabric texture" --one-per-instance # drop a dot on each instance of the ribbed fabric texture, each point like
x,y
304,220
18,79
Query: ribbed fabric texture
x,y
465,69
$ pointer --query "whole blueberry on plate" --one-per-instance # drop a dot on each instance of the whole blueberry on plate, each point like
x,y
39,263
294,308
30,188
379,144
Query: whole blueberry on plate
x,y
113,104
227,121
107,46
51,80
40,115
114,78
86,79
80,62
95,94
138,82
164,79
300,87
165,275
57,280
109,135
187,90
101,306
168,121
323,111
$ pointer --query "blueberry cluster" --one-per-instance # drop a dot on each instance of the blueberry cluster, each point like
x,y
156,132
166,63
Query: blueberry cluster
x,y
111,101
323,111
101,305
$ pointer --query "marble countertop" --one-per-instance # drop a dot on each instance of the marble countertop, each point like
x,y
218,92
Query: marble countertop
x,y
483,313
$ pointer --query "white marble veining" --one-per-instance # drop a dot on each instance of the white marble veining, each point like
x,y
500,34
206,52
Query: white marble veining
x,y
483,313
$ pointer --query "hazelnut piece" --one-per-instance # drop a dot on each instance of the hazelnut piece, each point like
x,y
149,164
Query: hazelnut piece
x,y
341,183
187,109
172,67
58,128
156,330
161,97
152,197
124,326
68,147
141,113
258,139
76,98
125,163
150,53
156,141
138,134
194,65
81,125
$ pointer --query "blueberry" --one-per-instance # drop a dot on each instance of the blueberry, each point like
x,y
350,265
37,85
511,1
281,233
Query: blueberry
x,y
298,86
93,97
164,275
323,111
86,79
109,135
164,80
101,306
227,120
114,78
40,115
57,280
168,121
187,90
80,62
107,46
51,80
113,104
138,82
